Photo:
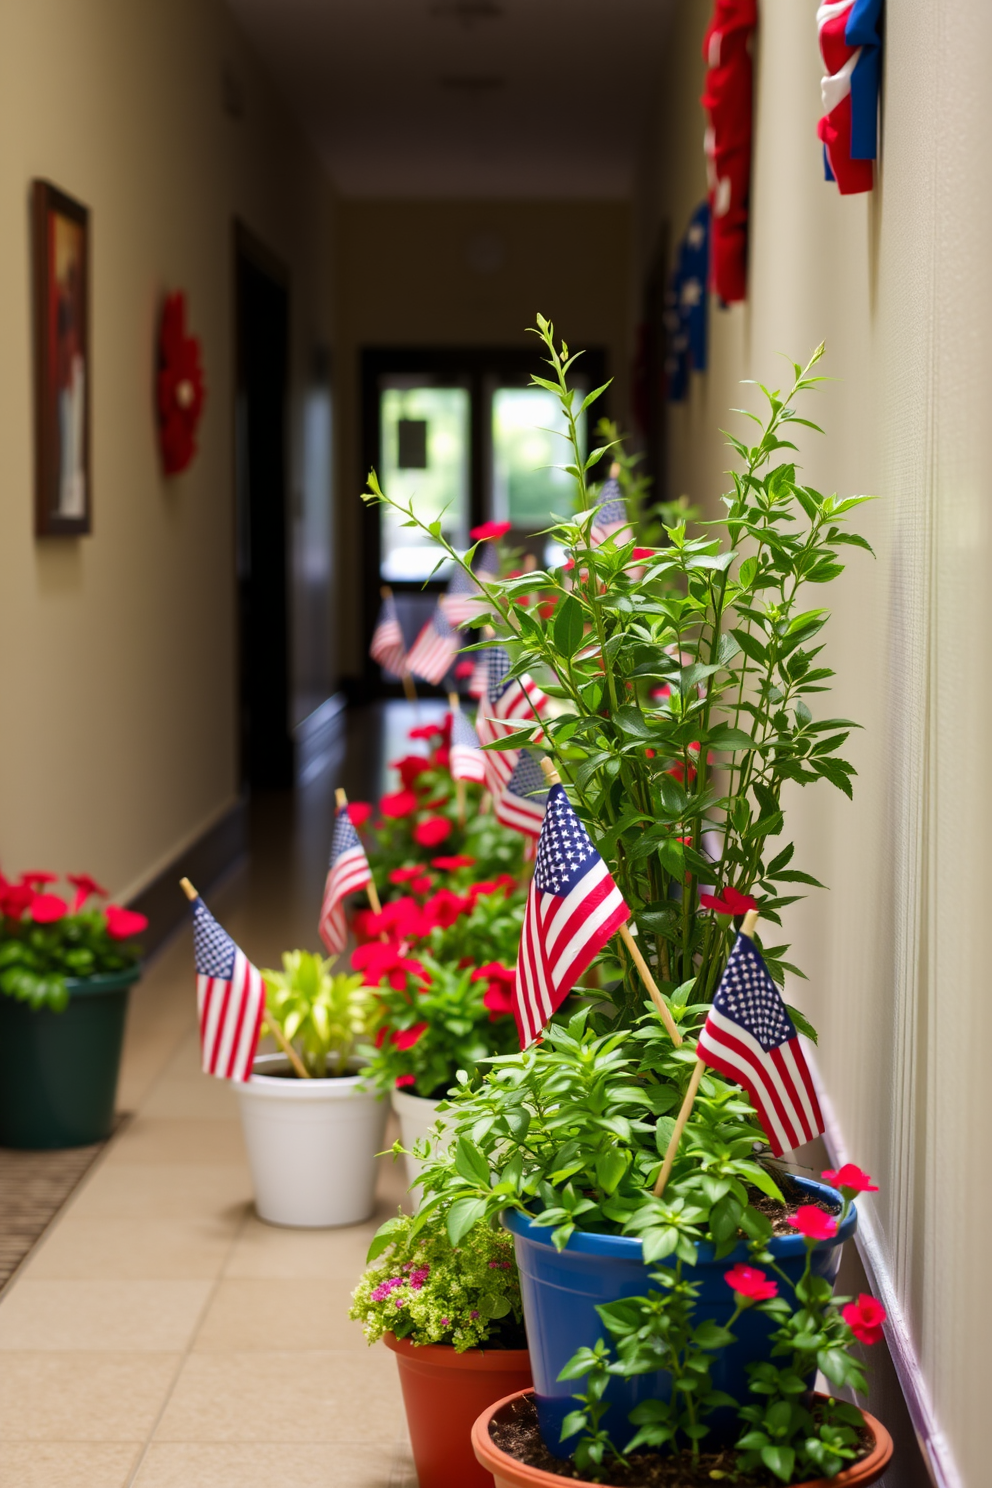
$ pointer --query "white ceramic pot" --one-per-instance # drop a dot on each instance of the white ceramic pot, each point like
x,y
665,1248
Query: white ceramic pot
x,y
311,1145
416,1116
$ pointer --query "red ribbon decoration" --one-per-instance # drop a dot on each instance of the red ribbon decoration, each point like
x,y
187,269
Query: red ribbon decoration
x,y
728,100
181,390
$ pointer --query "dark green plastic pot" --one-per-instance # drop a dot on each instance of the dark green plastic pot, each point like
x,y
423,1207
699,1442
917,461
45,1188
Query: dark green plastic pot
x,y
58,1071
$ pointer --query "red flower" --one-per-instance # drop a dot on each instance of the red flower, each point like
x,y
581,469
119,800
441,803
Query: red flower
x,y
750,1282
865,1318
426,731
409,767
442,756
547,607
458,860
422,884
464,669
39,879
433,831
677,772
444,908
403,875
490,530
732,903
498,996
402,803
405,1038
378,960
123,923
85,886
47,908
402,1080
850,1180
16,899
359,812
814,1222
641,555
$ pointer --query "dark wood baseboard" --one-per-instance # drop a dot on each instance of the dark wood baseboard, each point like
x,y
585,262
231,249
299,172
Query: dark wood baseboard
x,y
204,862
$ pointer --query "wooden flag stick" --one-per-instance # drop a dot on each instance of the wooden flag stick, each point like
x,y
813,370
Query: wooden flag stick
x,y
298,1066
340,799
553,778
680,1121
386,592
747,928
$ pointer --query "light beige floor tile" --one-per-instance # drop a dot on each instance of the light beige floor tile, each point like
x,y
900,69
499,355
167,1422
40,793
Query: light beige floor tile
x,y
193,1096
147,1142
284,1397
67,1464
132,1316
82,1397
119,1247
163,1191
265,1465
264,1250
278,1314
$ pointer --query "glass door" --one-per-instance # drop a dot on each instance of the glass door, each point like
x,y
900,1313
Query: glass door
x,y
424,442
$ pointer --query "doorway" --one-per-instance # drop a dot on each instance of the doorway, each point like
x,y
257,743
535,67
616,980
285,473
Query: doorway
x,y
261,394
463,435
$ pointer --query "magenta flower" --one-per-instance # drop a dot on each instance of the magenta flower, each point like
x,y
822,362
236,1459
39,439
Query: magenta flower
x,y
814,1223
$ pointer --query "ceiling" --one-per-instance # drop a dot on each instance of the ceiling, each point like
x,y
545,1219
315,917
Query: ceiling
x,y
467,98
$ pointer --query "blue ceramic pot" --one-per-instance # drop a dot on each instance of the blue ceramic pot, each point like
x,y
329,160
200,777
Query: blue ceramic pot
x,y
562,1289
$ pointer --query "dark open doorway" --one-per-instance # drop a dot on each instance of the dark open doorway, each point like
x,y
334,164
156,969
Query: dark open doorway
x,y
262,347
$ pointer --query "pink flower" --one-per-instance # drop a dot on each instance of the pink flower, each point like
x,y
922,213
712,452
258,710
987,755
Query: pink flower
x,y
401,803
402,1080
47,908
384,1288
865,1318
750,1282
814,1222
458,860
84,886
418,1277
432,832
489,530
359,812
405,1038
445,1323
732,903
850,1180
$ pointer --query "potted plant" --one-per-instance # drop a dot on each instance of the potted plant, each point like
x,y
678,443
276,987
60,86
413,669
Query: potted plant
x,y
312,1121
452,1316
65,972
685,675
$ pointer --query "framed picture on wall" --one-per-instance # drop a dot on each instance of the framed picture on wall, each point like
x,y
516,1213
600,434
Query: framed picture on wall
x,y
63,495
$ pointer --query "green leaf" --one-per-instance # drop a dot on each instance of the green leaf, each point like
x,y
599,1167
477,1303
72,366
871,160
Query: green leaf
x,y
463,1214
633,722
723,737
780,1461
470,1163
610,1168
569,627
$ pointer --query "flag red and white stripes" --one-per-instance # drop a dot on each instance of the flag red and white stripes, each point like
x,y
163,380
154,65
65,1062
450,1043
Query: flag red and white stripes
x,y
466,760
521,803
230,995
573,908
507,704
749,1037
349,870
433,652
387,646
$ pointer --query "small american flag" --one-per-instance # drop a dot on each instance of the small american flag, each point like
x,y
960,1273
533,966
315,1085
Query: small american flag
x,y
434,650
463,599
749,1037
507,703
520,805
611,513
230,997
387,646
479,679
349,870
573,908
466,760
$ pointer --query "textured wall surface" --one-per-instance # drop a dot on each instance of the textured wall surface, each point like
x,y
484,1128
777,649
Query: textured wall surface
x,y
118,677
897,285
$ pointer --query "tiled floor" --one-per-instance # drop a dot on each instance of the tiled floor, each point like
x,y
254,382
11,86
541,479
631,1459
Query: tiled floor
x,y
161,1335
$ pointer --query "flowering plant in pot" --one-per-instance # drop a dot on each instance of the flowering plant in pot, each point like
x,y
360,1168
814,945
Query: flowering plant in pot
x,y
686,677
311,1118
453,1318
66,965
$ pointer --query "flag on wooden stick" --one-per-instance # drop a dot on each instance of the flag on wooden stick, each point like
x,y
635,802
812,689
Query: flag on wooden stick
x,y
349,870
573,908
466,760
387,647
230,995
521,803
433,652
749,1037
507,704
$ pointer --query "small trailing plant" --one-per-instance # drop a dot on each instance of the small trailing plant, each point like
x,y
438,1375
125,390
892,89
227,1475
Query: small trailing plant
x,y
325,1016
46,939
418,1286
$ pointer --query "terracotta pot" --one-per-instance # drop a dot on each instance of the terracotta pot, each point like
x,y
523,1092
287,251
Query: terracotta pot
x,y
443,1393
509,1473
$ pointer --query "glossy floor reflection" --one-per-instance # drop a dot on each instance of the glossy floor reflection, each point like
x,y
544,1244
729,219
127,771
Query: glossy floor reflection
x,y
161,1335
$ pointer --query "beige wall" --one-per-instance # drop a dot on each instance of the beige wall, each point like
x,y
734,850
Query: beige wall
x,y
462,274
897,283
117,698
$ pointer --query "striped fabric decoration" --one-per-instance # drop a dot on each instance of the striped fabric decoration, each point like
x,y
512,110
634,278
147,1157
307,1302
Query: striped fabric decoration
x,y
349,870
230,996
521,803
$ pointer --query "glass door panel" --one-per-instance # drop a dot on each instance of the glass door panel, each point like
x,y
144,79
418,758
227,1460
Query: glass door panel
x,y
424,457
527,428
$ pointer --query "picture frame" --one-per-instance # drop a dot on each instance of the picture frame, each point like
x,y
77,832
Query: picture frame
x,y
63,380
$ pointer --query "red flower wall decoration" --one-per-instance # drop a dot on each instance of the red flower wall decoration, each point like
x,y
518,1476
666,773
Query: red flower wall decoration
x,y
180,386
